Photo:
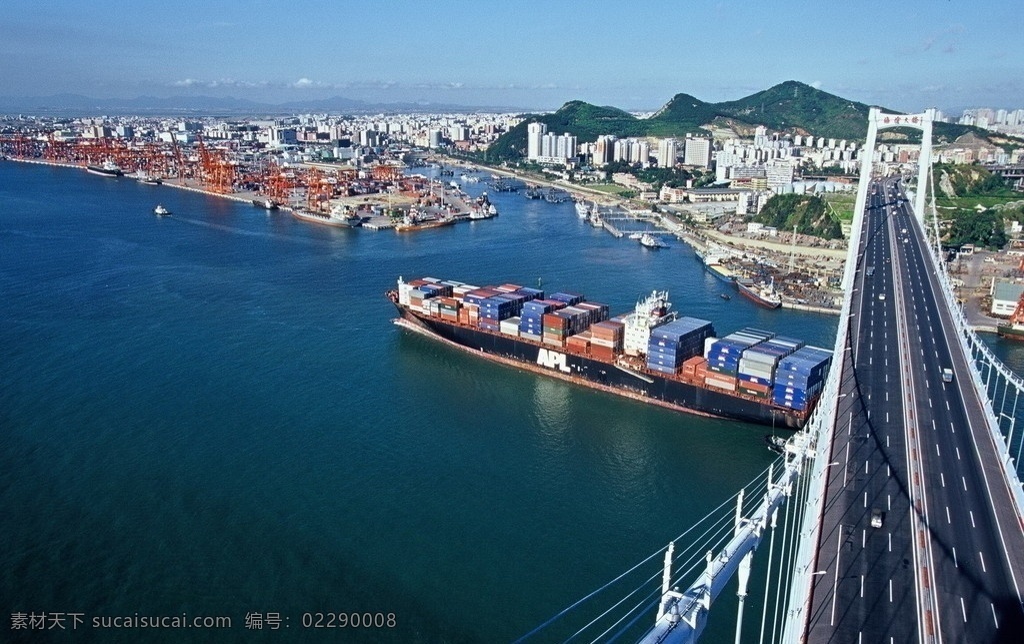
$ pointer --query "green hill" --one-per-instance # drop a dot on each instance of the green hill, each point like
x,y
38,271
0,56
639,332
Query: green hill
x,y
802,109
808,213
791,106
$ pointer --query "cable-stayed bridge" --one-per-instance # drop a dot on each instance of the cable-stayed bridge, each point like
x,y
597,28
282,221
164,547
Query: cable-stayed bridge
x,y
897,514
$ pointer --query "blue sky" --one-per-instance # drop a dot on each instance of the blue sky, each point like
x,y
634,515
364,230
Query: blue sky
x,y
905,55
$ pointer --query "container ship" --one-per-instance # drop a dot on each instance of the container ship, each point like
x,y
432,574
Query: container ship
x,y
650,354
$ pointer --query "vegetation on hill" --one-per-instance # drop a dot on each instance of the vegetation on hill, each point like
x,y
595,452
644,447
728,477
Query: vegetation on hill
x,y
799,107
970,181
791,107
808,213
986,228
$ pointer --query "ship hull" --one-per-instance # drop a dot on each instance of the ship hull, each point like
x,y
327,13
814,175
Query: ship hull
x,y
324,220
1009,332
754,297
103,172
407,228
646,387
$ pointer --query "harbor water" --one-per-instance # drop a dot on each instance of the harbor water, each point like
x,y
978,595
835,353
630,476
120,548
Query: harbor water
x,y
212,414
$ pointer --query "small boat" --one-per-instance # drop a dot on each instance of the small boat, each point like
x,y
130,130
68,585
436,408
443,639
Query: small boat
x,y
149,179
725,296
775,443
161,211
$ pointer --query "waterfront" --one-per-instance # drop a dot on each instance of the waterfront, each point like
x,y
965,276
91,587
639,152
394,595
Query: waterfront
x,y
211,413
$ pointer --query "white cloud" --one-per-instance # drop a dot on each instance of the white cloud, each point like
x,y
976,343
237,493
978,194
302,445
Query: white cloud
x,y
816,84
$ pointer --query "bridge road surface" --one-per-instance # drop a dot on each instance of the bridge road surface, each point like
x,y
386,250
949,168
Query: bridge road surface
x,y
864,587
977,542
868,580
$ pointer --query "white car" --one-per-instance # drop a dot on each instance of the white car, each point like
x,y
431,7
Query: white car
x,y
881,296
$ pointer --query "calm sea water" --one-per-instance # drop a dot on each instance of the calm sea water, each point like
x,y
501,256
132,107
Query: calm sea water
x,y
212,414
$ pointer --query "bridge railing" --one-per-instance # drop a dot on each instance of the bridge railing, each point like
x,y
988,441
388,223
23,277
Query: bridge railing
x,y
1000,387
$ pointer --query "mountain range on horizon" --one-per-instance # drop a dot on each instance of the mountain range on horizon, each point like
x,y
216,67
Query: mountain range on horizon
x,y
791,106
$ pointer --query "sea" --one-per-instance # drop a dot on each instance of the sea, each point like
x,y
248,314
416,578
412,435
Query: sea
x,y
211,414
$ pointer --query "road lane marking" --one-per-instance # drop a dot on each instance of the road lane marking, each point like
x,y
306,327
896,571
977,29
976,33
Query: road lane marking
x,y
890,591
963,609
948,520
958,453
942,479
865,499
937,453
955,563
888,502
890,542
863,538
835,580
993,607
971,512
982,557
964,481
862,586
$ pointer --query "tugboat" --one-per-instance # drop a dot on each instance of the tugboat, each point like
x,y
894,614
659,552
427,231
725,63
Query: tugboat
x,y
160,211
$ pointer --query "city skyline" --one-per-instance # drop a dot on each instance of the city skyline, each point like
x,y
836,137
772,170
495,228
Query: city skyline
x,y
529,55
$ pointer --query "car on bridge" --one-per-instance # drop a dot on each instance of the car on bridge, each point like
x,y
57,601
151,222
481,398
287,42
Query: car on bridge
x,y
947,375
876,518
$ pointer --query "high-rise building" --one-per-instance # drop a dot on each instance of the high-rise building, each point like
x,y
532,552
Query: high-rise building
x,y
668,152
779,174
760,136
697,152
534,135
604,150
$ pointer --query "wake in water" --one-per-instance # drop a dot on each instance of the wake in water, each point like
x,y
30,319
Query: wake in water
x,y
241,231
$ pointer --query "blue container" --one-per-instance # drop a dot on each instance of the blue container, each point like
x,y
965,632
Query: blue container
x,y
567,298
660,369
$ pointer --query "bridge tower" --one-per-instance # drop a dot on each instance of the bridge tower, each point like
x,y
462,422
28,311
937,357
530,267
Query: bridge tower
x,y
877,120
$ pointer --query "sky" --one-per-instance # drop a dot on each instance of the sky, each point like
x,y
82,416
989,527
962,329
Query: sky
x,y
908,55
